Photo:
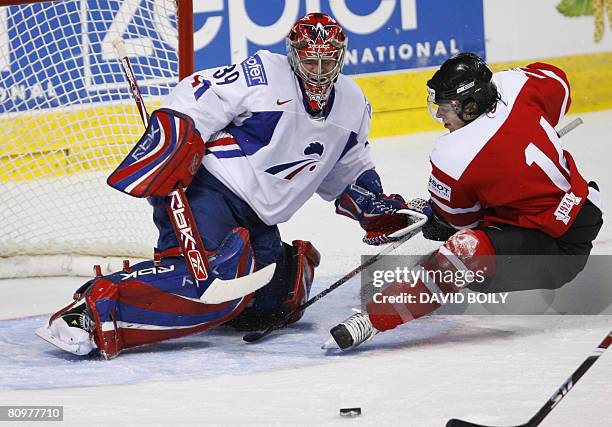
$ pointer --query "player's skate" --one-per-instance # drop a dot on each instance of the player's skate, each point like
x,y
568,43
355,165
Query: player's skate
x,y
70,330
354,331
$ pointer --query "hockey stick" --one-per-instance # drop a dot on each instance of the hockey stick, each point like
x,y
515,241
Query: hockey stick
x,y
413,230
557,395
570,127
567,385
255,336
184,225
180,214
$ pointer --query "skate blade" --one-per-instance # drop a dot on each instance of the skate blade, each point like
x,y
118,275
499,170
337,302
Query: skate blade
x,y
330,344
44,332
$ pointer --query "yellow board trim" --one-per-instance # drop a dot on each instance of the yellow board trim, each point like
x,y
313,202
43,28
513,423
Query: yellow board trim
x,y
59,143
41,149
399,100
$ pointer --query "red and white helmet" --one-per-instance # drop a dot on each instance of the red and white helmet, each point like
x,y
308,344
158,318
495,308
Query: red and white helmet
x,y
316,46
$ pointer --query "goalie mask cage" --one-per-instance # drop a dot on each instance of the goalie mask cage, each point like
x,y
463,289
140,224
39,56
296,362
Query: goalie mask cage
x,y
67,120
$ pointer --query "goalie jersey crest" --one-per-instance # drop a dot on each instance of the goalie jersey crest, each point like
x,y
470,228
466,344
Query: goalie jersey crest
x,y
169,152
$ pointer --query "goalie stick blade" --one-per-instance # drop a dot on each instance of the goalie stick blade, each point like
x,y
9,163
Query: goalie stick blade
x,y
256,336
221,291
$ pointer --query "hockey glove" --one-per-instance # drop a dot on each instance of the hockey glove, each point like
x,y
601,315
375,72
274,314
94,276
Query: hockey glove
x,y
384,218
436,227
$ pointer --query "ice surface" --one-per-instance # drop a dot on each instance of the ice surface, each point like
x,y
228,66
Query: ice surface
x,y
487,369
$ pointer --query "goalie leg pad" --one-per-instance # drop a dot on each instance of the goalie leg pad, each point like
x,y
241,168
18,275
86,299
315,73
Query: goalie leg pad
x,y
305,258
169,153
464,258
135,313
151,303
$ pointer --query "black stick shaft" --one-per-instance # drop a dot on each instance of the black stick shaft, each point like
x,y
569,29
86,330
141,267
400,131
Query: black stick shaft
x,y
255,336
539,416
558,395
570,382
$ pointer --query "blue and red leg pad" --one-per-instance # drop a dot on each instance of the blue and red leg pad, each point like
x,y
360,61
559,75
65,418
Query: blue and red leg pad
x,y
151,303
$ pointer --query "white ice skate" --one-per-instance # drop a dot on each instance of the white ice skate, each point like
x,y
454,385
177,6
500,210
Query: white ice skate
x,y
70,331
354,331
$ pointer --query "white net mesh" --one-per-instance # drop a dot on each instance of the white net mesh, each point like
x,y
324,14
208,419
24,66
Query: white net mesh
x,y
67,120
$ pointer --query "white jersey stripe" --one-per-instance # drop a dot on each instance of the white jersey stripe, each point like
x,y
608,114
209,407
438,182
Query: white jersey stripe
x,y
469,226
450,210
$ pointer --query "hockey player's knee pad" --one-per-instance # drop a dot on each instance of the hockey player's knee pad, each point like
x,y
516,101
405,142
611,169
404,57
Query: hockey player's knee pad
x,y
469,255
466,258
305,258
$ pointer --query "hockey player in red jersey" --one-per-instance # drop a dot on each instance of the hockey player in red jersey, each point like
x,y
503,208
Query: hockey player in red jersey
x,y
501,185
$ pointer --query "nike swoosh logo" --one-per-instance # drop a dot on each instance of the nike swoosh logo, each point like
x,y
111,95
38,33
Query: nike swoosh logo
x,y
279,102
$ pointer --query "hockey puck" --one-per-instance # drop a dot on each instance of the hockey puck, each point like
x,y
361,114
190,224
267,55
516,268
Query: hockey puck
x,y
350,412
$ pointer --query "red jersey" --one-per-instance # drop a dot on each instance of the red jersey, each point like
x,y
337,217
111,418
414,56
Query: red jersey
x,y
508,166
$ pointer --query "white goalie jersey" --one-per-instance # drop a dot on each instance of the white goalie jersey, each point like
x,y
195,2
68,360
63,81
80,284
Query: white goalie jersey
x,y
261,142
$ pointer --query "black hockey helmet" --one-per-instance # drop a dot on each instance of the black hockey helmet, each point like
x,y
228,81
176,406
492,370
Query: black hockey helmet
x,y
462,79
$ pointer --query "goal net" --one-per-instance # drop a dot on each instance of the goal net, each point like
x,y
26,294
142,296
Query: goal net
x,y
67,120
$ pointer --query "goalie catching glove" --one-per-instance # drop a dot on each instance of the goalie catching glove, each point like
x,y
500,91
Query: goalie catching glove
x,y
385,219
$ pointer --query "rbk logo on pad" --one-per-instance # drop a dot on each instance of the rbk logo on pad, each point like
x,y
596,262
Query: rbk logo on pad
x,y
146,272
140,150
199,270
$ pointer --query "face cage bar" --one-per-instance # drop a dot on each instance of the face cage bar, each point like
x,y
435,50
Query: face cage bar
x,y
319,78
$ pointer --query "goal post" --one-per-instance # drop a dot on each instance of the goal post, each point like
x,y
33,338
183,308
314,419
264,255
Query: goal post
x,y
67,120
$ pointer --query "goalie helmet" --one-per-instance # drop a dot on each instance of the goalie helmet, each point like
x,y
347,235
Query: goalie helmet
x,y
462,79
316,46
